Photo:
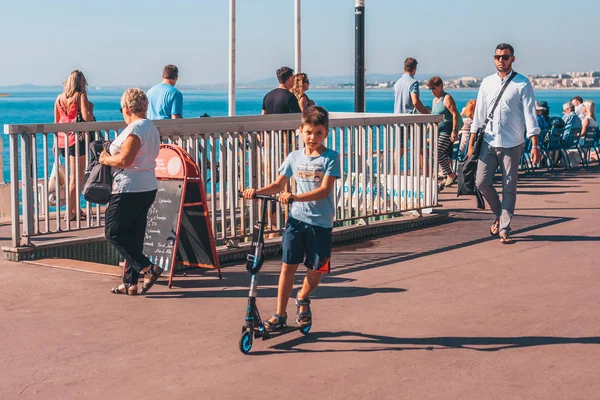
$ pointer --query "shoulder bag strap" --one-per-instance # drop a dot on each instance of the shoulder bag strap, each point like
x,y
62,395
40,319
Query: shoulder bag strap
x,y
78,100
481,131
491,113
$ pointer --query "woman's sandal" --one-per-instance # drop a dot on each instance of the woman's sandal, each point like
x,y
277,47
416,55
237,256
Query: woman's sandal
x,y
125,288
151,277
275,323
505,239
495,229
82,216
449,181
303,318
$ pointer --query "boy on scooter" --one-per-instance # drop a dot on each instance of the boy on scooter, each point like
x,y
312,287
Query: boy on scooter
x,y
308,231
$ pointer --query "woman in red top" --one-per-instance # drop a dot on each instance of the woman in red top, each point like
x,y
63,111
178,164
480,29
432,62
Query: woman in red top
x,y
71,102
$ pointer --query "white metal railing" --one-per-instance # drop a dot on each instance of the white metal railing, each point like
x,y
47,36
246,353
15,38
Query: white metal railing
x,y
389,165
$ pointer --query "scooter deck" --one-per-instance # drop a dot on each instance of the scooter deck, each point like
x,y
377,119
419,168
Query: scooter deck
x,y
283,331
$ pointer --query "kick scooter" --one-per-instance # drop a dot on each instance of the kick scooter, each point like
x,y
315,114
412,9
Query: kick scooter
x,y
253,326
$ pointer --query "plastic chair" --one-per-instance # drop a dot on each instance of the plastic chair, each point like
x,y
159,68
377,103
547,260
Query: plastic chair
x,y
525,164
596,146
570,142
552,146
586,144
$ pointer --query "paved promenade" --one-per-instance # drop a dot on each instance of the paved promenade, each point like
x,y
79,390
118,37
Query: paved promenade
x,y
438,313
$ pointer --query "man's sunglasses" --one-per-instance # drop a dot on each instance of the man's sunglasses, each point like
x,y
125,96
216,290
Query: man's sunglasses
x,y
505,57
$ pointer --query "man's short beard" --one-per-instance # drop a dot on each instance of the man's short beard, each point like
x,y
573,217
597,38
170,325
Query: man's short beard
x,y
505,69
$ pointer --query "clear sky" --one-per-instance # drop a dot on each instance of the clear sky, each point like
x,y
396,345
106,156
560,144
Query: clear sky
x,y
126,42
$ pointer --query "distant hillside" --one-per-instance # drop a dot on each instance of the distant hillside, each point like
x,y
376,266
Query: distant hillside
x,y
28,86
342,79
260,83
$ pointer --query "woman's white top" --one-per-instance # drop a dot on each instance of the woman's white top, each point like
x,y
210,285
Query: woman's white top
x,y
592,123
139,176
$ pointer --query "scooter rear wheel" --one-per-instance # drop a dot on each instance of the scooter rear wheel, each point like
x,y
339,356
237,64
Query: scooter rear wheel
x,y
246,342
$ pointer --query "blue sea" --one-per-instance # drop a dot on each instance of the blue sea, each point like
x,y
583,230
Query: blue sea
x,y
36,106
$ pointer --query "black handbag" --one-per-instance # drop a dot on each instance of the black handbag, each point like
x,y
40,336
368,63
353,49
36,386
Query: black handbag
x,y
97,178
467,170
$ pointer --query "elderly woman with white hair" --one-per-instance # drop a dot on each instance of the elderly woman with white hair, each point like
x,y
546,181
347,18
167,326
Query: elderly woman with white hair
x,y
132,156
588,110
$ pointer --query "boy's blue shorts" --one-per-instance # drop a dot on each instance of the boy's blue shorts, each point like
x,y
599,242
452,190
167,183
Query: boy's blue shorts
x,y
308,243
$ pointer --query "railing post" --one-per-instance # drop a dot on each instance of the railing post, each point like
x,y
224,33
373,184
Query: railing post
x,y
253,171
232,188
434,139
2,159
27,189
14,190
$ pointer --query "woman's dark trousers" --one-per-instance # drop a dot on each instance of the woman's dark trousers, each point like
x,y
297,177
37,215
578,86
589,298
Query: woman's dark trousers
x,y
125,229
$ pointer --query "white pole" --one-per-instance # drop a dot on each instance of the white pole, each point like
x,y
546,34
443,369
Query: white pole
x,y
298,35
232,57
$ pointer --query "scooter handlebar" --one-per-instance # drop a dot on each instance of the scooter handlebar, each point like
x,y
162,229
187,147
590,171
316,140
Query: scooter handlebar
x,y
265,197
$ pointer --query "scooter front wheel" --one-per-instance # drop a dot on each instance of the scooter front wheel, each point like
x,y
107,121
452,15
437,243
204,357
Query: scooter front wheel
x,y
305,329
246,342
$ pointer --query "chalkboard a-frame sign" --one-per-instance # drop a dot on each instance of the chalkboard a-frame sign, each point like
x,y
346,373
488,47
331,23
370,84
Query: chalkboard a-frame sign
x,y
179,230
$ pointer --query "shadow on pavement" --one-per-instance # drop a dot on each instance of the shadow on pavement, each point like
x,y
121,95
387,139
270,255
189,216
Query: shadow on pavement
x,y
350,262
542,193
324,292
393,258
374,343
534,185
559,209
199,278
557,238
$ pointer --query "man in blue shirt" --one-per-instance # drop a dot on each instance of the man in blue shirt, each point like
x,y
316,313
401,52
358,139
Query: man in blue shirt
x,y
164,101
572,121
406,91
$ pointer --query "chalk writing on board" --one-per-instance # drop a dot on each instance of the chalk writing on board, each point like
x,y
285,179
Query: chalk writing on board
x,y
162,222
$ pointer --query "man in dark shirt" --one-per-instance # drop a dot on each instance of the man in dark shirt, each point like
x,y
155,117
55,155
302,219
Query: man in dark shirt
x,y
280,100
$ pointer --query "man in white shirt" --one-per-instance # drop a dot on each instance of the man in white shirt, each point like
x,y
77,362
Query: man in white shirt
x,y
577,103
504,137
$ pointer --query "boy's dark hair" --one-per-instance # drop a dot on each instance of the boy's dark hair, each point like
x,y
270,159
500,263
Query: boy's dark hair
x,y
170,71
506,46
578,98
410,64
284,73
315,115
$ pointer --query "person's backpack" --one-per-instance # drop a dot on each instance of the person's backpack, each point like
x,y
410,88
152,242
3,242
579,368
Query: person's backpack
x,y
97,178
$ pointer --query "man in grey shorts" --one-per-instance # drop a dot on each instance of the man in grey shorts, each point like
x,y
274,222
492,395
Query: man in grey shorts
x,y
504,137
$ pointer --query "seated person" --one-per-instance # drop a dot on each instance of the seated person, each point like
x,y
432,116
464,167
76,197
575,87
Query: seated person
x,y
572,121
467,113
577,102
539,109
589,117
